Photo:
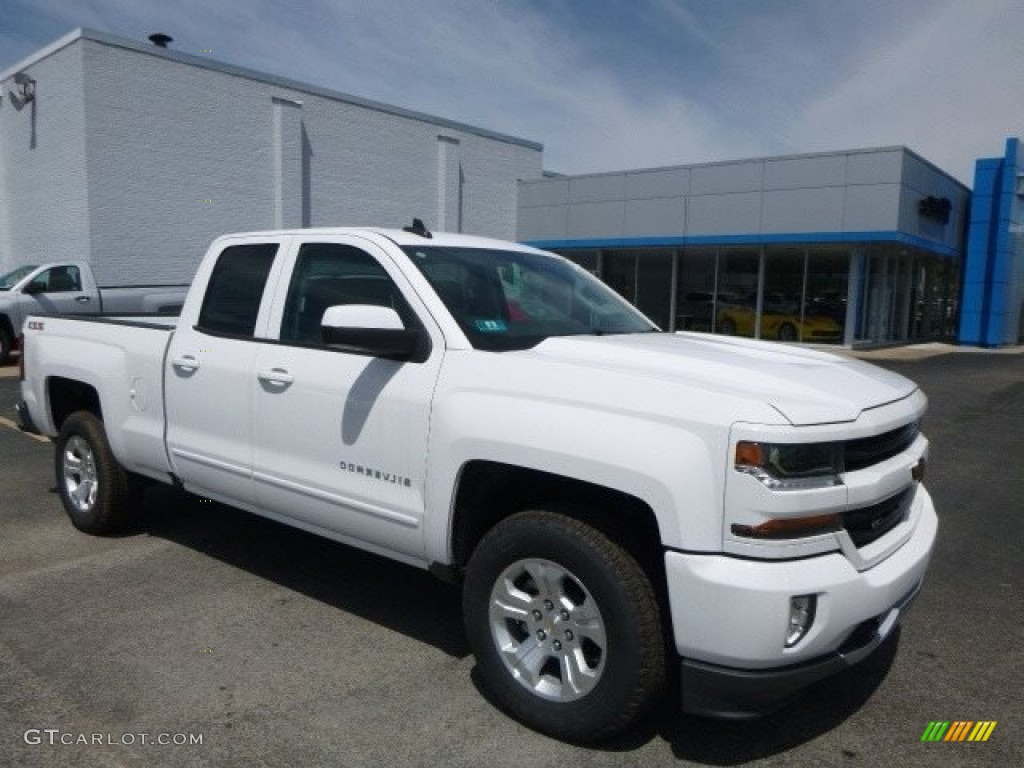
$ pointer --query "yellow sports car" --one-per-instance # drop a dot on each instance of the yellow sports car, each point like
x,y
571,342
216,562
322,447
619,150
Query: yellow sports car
x,y
779,320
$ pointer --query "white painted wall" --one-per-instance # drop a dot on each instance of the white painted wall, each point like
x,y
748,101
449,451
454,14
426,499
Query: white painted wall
x,y
144,155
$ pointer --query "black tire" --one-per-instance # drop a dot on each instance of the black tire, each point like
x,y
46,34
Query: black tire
x,y
92,485
727,326
6,345
787,332
601,627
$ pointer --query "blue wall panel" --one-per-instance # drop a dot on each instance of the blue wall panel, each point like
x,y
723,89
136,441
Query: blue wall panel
x,y
993,282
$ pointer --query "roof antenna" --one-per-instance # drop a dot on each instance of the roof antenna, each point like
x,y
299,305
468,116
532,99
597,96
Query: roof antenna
x,y
418,228
160,40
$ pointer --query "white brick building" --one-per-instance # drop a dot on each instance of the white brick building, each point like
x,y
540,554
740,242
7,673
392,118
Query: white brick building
x,y
134,157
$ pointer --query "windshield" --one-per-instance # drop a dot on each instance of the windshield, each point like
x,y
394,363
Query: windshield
x,y
514,300
9,280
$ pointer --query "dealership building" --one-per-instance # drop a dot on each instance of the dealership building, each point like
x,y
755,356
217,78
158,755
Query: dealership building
x,y
134,156
855,247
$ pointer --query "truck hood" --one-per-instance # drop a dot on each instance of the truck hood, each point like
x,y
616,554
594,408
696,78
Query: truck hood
x,y
806,386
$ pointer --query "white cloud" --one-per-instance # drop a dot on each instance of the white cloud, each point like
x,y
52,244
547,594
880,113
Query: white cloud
x,y
950,90
605,86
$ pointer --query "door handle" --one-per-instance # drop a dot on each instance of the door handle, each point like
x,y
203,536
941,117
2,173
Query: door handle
x,y
83,299
275,376
185,363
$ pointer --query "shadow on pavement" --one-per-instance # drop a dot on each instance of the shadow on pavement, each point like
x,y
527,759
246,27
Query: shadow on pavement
x,y
419,606
414,603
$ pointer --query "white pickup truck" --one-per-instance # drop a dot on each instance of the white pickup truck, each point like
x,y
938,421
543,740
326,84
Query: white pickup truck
x,y
620,504
69,287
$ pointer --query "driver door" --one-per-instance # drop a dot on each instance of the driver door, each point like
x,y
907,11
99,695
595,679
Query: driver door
x,y
340,438
57,290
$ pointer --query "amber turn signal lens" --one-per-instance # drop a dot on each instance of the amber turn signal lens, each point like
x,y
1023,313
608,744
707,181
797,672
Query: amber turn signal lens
x,y
749,454
789,528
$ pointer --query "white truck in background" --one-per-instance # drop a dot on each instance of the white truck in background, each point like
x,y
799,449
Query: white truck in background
x,y
620,504
68,287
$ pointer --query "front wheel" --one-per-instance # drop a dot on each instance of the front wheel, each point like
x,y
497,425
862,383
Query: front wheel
x,y
565,627
93,486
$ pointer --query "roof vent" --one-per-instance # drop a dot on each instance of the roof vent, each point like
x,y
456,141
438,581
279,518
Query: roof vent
x,y
160,40
418,228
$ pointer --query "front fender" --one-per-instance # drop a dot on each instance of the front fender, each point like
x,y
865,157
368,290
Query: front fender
x,y
671,469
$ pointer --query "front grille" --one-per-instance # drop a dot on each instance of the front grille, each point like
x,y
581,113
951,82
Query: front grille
x,y
868,451
869,524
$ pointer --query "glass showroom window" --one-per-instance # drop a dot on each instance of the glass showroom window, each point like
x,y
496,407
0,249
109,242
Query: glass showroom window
x,y
889,287
825,295
782,309
618,271
589,260
654,285
736,298
643,278
950,278
696,289
805,295
935,310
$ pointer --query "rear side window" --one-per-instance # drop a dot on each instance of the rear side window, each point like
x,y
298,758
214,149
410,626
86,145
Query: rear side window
x,y
235,290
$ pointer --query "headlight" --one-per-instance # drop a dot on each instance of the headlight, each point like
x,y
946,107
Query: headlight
x,y
791,466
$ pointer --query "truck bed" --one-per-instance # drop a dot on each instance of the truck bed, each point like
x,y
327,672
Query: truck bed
x,y
118,356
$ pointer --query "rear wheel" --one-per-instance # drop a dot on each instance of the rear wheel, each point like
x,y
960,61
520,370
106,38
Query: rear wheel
x,y
564,625
727,326
93,486
787,332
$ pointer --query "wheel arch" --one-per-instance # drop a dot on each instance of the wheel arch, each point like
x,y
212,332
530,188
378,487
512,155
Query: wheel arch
x,y
489,492
65,396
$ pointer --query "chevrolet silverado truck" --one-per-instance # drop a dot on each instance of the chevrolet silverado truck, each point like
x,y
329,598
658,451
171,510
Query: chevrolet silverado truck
x,y
620,505
69,287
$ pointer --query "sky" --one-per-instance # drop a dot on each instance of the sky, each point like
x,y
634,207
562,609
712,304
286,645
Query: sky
x,y
607,85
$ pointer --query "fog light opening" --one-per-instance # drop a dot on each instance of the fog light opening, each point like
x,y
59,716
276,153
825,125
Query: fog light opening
x,y
801,617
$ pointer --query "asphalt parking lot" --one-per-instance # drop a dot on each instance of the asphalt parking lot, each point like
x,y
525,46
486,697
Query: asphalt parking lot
x,y
278,648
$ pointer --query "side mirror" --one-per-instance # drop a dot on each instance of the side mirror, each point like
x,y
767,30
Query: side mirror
x,y
33,288
364,329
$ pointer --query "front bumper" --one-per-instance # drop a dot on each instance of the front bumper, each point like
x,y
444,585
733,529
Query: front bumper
x,y
730,616
724,692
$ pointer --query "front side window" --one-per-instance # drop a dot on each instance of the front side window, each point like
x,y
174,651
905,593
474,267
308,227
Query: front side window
x,y
56,280
507,300
235,290
334,274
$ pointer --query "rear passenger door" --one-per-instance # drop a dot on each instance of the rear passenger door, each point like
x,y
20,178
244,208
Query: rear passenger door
x,y
340,439
209,372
